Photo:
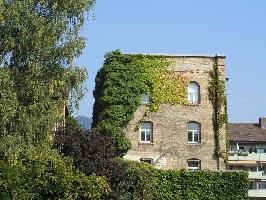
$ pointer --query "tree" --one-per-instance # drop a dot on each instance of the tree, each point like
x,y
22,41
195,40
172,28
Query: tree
x,y
39,40
92,152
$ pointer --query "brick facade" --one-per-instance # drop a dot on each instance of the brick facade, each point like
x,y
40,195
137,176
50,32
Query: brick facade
x,y
169,148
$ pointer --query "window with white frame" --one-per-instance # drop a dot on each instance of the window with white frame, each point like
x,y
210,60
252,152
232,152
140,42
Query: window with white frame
x,y
145,98
193,93
146,132
193,132
193,164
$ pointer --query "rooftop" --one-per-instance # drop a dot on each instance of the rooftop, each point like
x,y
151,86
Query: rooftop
x,y
247,132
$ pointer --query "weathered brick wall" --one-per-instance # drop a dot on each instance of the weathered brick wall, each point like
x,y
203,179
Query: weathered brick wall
x,y
170,148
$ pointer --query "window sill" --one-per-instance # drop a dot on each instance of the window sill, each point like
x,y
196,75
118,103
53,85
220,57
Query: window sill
x,y
145,143
194,104
194,144
144,104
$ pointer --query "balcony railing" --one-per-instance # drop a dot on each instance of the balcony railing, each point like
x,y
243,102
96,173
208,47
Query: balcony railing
x,y
257,175
257,193
239,153
244,155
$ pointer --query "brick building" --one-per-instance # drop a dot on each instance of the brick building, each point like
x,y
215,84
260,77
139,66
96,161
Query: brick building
x,y
180,136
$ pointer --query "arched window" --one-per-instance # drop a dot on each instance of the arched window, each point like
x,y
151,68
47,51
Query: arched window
x,y
193,164
193,132
193,93
146,132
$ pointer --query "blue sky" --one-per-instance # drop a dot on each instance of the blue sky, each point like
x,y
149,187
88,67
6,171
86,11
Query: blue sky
x,y
235,28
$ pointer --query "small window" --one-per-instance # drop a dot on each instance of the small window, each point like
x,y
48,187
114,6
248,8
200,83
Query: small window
x,y
193,93
193,164
145,99
193,132
146,132
260,150
146,160
262,186
262,167
242,149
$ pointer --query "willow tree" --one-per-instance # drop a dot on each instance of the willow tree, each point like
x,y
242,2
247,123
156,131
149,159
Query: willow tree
x,y
39,40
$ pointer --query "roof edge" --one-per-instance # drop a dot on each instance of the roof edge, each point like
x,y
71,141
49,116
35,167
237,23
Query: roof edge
x,y
179,55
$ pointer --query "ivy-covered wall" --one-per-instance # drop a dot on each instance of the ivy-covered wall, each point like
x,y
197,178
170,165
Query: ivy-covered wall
x,y
125,77
119,86
217,97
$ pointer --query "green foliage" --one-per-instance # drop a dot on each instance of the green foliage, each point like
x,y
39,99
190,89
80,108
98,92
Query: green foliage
x,y
142,181
92,152
8,99
45,175
39,41
218,99
119,86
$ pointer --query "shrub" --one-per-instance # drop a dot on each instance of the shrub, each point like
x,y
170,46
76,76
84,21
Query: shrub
x,y
46,175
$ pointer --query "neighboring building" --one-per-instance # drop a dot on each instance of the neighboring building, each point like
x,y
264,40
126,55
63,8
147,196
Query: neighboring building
x,y
180,136
248,152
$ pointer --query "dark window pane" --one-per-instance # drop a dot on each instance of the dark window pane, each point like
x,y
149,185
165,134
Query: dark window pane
x,y
142,135
190,136
193,164
196,137
148,135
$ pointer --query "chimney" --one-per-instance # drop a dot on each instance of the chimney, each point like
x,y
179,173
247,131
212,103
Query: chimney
x,y
263,123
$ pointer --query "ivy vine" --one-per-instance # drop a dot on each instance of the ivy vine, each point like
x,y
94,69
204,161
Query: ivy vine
x,y
119,86
217,96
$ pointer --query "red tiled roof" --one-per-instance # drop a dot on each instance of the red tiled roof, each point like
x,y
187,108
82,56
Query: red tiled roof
x,y
247,132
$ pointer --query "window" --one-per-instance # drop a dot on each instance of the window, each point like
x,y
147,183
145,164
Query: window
x,y
193,164
241,149
193,93
260,150
193,132
146,132
262,167
262,185
146,160
145,99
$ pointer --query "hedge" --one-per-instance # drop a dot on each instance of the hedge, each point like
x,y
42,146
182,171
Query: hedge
x,y
143,181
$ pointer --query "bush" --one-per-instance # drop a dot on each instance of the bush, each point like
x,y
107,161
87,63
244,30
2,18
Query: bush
x,y
46,175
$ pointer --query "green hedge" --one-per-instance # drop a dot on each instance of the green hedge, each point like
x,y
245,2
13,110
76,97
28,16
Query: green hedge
x,y
142,181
